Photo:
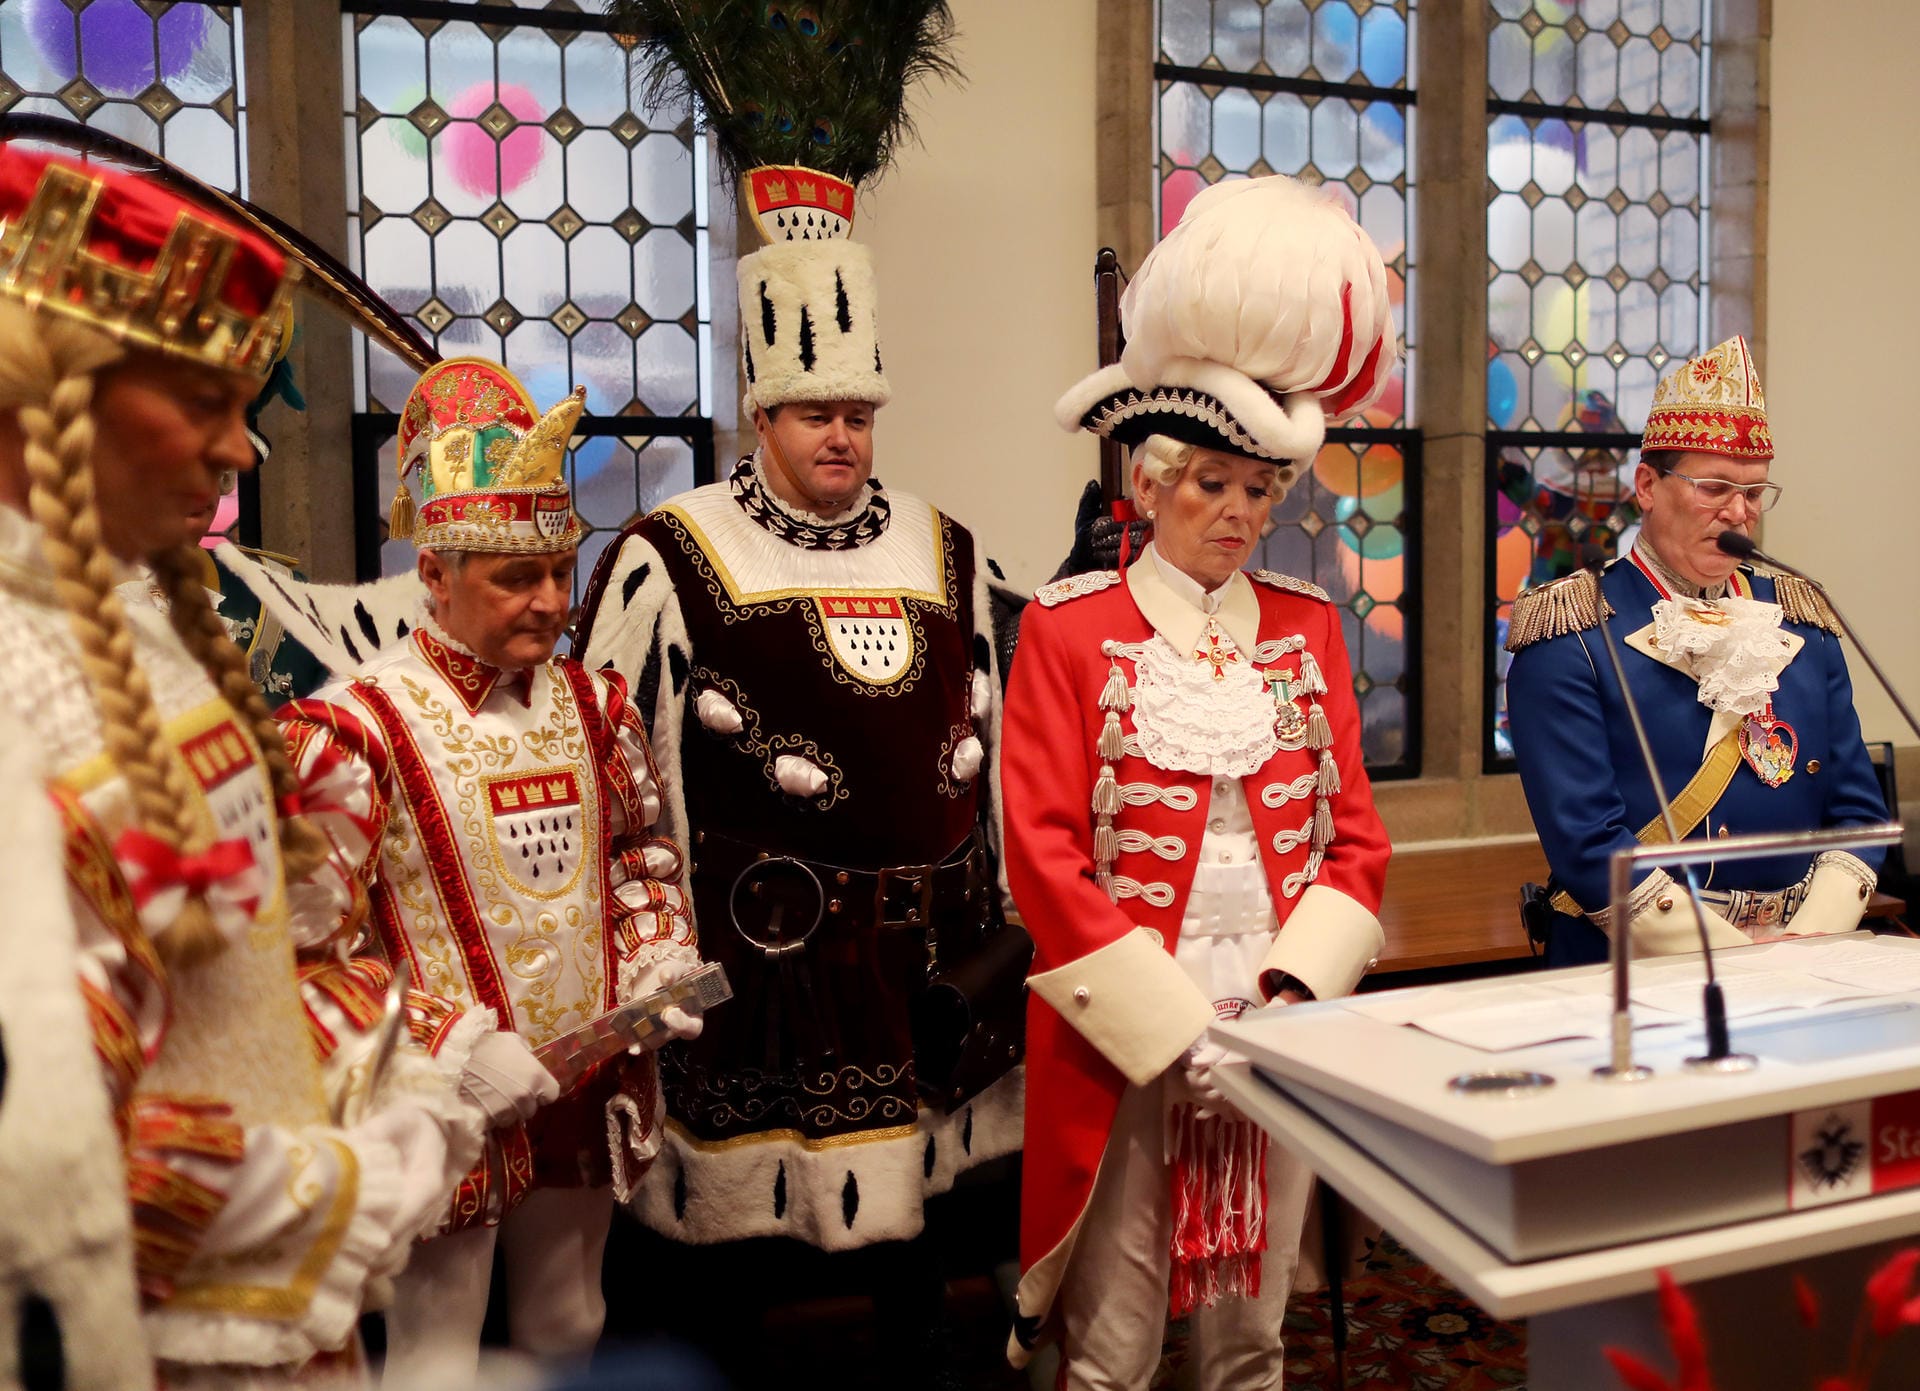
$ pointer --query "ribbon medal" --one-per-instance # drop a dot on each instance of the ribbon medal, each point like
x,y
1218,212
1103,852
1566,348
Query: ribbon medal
x,y
1289,722
1769,745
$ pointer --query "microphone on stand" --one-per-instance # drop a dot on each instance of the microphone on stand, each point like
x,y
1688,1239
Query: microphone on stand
x,y
1720,1056
1741,547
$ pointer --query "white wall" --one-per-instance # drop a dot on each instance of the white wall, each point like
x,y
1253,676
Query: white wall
x,y
1843,288
983,238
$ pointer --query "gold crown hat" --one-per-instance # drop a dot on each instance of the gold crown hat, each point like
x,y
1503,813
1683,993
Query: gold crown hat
x,y
492,468
1712,404
140,263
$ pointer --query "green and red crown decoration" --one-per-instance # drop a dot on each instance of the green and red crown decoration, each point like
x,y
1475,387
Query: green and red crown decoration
x,y
491,467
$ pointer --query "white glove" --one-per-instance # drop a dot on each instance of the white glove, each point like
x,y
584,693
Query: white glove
x,y
422,1148
1836,899
1666,927
504,1079
1196,1066
669,970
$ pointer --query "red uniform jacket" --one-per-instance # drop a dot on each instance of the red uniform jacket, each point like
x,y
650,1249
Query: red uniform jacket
x,y
1131,1010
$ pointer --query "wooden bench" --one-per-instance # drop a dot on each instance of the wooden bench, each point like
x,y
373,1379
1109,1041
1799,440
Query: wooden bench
x,y
1458,904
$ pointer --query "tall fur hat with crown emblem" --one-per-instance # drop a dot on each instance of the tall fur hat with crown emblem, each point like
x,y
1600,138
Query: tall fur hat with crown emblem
x,y
806,100
1255,323
492,469
1712,404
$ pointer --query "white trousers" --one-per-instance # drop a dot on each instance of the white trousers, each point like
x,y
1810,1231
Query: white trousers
x,y
553,1242
1113,1299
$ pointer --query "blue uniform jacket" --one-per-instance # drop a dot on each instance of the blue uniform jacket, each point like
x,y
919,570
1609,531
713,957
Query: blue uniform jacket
x,y
1589,793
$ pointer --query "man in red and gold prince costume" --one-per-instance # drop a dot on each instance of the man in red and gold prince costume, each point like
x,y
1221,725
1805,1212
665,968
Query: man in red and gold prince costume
x,y
500,802
182,1193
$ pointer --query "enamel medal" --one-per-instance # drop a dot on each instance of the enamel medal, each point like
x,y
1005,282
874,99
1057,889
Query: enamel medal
x,y
1769,745
1289,723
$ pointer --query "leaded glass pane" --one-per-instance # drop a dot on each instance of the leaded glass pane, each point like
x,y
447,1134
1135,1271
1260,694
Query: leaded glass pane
x,y
1344,525
1642,56
517,207
1596,229
1547,505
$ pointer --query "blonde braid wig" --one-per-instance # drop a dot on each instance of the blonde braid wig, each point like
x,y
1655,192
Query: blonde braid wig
x,y
179,571
47,374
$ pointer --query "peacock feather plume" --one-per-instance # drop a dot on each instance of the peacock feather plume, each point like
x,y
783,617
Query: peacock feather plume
x,y
821,84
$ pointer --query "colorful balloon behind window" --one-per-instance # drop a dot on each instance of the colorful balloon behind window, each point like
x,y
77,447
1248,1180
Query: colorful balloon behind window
x,y
116,42
469,148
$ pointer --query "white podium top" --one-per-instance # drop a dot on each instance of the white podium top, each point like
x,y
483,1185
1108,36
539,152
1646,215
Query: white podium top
x,y
1842,1051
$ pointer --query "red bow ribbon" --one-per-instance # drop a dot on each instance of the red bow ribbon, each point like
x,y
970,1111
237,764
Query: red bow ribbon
x,y
152,867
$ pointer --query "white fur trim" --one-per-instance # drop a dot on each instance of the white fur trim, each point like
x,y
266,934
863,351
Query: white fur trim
x,y
783,285
731,1189
64,1225
343,625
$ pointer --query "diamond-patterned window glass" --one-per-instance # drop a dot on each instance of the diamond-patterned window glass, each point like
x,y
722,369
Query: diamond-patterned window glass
x,y
1319,91
505,194
167,78
1549,504
1597,149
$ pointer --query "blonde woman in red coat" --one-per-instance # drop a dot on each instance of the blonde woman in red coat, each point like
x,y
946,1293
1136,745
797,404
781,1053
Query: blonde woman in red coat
x,y
1190,829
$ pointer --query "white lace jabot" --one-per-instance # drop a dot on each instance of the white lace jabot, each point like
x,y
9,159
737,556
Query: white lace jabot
x,y
1189,714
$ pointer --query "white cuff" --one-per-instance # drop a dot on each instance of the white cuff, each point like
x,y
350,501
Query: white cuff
x,y
1329,941
1837,898
1131,1001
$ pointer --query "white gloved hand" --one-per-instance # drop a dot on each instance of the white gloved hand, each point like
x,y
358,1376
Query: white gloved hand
x,y
422,1148
1665,927
668,971
1197,1065
504,1079
1836,899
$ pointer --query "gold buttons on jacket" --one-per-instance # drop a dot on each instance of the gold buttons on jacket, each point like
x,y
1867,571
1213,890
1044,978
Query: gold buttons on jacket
x,y
1813,765
1665,904
1863,893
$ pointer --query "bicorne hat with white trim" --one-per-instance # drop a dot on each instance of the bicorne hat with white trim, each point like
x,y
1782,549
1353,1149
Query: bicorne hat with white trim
x,y
1259,320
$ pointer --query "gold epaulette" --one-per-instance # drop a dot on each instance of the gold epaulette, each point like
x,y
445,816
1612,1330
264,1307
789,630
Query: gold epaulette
x,y
1569,605
1073,586
1802,601
1290,584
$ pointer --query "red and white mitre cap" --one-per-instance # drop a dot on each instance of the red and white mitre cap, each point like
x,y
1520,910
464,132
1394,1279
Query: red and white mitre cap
x,y
1713,404
1259,320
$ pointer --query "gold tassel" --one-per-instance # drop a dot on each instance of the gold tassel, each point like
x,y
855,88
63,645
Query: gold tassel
x,y
1803,602
1329,774
1310,678
1114,695
1322,824
1112,742
1104,878
1569,605
1319,732
1106,793
1106,842
400,516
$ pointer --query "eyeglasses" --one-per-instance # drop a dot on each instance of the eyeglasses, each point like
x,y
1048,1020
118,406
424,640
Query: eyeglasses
x,y
1714,493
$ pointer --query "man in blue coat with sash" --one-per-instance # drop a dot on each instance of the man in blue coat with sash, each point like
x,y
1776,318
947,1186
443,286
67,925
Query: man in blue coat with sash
x,y
1741,681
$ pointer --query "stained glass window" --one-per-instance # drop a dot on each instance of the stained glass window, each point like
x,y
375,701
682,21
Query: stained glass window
x,y
506,195
1319,91
1597,148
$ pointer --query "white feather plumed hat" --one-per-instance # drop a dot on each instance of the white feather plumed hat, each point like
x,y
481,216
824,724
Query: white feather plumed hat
x,y
1255,323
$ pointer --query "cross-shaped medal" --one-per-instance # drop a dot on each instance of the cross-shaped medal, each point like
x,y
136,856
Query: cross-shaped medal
x,y
1216,649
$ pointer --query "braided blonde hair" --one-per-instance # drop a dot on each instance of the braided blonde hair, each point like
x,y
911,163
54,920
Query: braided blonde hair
x,y
48,368
179,571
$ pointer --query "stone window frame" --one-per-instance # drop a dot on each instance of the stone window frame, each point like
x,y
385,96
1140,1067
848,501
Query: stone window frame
x,y
1455,796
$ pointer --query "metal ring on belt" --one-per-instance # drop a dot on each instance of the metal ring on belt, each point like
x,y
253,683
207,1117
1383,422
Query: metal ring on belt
x,y
754,878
